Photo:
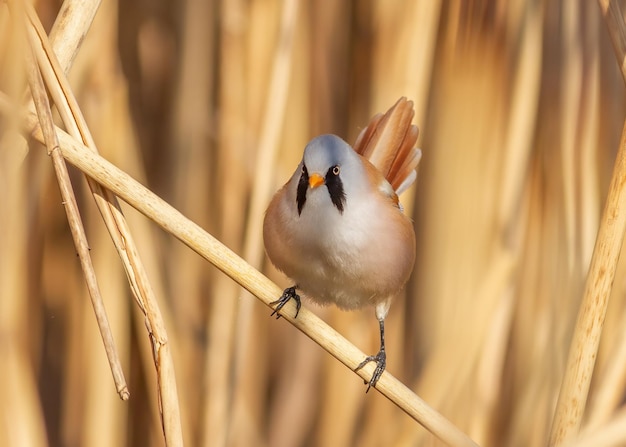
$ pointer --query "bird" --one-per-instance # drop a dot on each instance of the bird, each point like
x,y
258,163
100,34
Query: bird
x,y
337,228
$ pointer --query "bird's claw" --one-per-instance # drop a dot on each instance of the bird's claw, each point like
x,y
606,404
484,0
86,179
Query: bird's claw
x,y
381,363
288,294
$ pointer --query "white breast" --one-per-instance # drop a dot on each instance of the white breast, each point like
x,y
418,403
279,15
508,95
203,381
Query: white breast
x,y
352,259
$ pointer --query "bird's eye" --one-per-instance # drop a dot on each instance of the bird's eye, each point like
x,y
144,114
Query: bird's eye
x,y
336,170
304,172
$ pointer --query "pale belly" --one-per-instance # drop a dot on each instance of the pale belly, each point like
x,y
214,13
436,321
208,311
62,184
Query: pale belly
x,y
361,258
353,276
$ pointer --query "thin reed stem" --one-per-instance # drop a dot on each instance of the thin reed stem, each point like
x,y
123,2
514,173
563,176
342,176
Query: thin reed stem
x,y
42,105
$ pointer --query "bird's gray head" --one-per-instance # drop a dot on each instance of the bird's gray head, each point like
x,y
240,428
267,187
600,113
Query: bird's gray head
x,y
329,161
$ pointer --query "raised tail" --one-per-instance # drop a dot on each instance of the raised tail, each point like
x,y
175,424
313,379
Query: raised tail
x,y
388,142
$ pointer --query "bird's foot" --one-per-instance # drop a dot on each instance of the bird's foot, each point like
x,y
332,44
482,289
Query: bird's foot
x,y
381,363
288,294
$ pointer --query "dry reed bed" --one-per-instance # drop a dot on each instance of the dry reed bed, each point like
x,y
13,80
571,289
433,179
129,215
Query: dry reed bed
x,y
209,103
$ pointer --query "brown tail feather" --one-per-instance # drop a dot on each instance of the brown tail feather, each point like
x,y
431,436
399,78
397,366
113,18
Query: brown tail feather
x,y
363,140
388,142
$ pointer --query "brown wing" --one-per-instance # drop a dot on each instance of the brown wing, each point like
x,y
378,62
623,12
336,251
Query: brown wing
x,y
388,142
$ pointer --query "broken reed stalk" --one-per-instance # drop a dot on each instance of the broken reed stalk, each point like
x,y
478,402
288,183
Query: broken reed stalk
x,y
156,209
586,339
42,105
113,218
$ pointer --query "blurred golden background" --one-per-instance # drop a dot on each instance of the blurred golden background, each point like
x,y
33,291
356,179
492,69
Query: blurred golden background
x,y
520,105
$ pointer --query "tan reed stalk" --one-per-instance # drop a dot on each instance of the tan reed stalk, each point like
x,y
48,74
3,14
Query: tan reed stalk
x,y
341,392
520,128
102,419
404,53
402,65
193,190
208,247
570,103
189,182
246,398
583,350
402,56
106,418
74,219
78,232
42,106
613,16
610,369
233,136
123,241
217,380
273,121
465,273
111,124
21,415
296,367
509,216
607,399
70,28
610,434
590,205
218,375
318,103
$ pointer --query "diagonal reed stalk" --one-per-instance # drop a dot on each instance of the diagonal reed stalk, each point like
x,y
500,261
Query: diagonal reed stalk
x,y
228,262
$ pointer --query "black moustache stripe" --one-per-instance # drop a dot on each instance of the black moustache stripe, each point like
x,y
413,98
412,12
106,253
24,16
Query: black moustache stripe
x,y
335,188
303,185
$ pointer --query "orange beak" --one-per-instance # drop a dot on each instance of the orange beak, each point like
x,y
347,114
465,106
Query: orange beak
x,y
316,180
